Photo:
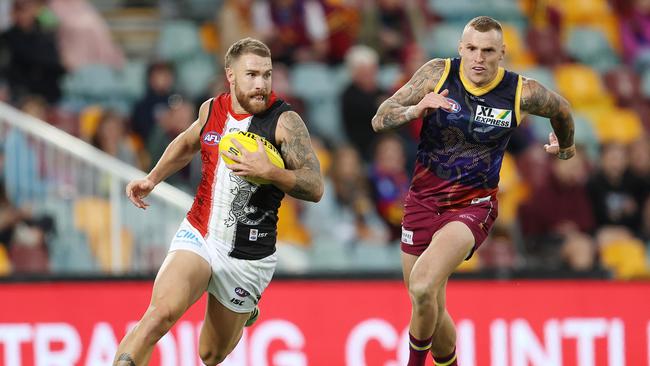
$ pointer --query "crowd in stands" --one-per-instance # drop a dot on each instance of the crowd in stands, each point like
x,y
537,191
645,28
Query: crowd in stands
x,y
335,61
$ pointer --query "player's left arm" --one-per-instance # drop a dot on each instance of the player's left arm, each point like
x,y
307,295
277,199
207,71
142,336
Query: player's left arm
x,y
537,100
302,177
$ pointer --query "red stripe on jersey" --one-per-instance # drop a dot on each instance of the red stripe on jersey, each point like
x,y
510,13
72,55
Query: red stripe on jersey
x,y
201,211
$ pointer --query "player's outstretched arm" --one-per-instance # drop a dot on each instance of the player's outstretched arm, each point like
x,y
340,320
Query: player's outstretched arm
x,y
178,154
537,100
413,99
302,178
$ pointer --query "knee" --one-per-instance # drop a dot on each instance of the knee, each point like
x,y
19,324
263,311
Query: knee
x,y
423,294
212,357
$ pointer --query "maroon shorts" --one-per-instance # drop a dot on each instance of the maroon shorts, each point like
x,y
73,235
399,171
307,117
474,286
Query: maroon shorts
x,y
420,223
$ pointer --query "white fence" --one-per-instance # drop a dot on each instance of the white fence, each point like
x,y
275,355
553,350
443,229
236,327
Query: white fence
x,y
97,229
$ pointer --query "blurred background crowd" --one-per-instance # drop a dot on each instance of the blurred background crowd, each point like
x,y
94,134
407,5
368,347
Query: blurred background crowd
x,y
127,76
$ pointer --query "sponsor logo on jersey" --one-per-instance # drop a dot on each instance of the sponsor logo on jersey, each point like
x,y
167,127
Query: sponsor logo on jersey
x,y
187,236
407,236
241,292
211,138
252,235
493,116
469,217
455,106
237,301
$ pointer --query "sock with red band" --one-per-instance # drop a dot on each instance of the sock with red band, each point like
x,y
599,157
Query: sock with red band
x,y
418,349
450,360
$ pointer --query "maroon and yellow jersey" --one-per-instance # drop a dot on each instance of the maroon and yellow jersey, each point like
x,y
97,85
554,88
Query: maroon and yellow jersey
x,y
461,149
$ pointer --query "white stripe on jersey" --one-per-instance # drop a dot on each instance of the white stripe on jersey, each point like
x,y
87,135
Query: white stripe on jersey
x,y
220,230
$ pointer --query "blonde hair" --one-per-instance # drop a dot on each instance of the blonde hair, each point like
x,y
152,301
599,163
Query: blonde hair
x,y
244,46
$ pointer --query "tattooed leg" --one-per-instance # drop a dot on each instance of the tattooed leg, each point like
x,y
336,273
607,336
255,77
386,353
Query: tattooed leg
x,y
125,360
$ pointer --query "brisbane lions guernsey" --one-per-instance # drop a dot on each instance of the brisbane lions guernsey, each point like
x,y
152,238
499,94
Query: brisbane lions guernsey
x,y
239,216
461,148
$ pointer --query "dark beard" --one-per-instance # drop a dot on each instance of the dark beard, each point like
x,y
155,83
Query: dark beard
x,y
246,103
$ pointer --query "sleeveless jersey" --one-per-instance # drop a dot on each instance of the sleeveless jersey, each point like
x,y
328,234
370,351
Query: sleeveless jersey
x,y
239,216
461,149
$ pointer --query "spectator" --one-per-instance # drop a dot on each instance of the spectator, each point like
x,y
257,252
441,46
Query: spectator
x,y
110,137
390,182
557,218
299,30
24,236
346,213
33,65
83,35
361,98
171,121
635,29
343,23
238,19
160,85
614,192
388,26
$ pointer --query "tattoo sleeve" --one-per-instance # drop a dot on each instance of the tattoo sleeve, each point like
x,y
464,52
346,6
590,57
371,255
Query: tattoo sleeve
x,y
299,157
537,100
397,110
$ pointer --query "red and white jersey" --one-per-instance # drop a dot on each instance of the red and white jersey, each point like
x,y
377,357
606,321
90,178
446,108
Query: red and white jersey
x,y
239,217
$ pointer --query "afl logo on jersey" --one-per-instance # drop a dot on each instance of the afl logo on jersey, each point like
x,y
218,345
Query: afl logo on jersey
x,y
455,106
211,138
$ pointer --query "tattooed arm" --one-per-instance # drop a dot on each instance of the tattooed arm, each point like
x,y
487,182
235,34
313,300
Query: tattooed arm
x,y
302,178
413,99
537,100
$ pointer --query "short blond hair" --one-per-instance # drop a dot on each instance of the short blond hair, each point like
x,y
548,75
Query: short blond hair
x,y
484,24
245,46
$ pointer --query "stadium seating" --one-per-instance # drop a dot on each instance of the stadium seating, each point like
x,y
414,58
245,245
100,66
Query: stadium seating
x,y
589,45
318,86
581,85
546,46
132,79
517,56
178,40
512,190
582,11
442,40
92,216
464,10
195,74
388,75
617,124
5,262
71,254
541,74
624,84
626,258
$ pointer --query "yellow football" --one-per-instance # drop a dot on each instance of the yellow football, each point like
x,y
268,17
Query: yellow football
x,y
249,141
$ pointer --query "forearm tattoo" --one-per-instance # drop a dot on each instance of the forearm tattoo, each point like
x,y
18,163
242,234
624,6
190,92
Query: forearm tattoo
x,y
299,156
125,360
537,100
397,110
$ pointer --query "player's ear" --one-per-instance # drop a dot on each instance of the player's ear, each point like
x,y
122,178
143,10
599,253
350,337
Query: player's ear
x,y
503,52
230,75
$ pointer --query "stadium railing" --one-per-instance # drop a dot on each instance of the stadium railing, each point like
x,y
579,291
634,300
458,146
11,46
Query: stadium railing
x,y
97,230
